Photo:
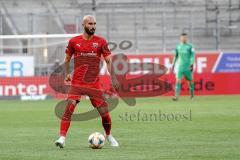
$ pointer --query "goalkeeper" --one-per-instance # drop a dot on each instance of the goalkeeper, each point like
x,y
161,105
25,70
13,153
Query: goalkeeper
x,y
183,65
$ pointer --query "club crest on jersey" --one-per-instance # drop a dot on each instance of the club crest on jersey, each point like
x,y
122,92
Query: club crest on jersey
x,y
95,45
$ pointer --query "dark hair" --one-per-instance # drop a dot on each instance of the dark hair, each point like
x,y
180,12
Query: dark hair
x,y
184,34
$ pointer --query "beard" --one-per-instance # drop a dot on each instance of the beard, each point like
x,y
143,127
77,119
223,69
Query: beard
x,y
89,31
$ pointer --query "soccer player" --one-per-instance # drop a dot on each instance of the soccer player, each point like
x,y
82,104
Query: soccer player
x,y
183,65
87,50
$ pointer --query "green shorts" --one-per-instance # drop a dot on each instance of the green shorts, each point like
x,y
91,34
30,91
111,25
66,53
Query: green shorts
x,y
187,73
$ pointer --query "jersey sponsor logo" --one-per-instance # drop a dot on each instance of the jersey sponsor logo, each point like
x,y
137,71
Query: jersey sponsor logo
x,y
183,50
87,54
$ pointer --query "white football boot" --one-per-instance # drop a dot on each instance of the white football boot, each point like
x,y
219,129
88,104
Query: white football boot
x,y
60,142
113,142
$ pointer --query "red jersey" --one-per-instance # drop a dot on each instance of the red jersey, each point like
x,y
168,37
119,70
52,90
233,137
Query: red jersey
x,y
87,56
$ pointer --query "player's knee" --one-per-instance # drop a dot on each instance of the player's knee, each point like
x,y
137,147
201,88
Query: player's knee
x,y
103,111
99,104
73,102
106,116
69,109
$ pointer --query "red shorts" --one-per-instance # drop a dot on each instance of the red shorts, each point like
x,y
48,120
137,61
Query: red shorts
x,y
93,91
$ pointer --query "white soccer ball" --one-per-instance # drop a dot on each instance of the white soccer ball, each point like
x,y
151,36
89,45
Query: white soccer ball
x,y
96,140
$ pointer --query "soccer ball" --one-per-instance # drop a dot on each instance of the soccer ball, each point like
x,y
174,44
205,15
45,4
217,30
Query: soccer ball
x,y
96,140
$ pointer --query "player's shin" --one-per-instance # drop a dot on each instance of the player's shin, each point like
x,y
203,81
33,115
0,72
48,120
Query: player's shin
x,y
191,89
106,123
177,89
66,119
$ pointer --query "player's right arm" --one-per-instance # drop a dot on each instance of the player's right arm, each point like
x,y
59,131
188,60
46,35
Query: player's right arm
x,y
69,52
67,66
175,59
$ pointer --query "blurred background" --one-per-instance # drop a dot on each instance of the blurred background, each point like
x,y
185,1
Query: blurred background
x,y
33,38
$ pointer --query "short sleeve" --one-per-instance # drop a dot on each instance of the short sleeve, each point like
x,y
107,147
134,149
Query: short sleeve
x,y
105,49
69,49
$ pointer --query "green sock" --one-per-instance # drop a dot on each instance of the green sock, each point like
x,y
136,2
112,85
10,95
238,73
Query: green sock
x,y
191,88
177,90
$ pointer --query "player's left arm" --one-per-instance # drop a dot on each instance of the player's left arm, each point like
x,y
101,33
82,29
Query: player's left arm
x,y
192,58
108,60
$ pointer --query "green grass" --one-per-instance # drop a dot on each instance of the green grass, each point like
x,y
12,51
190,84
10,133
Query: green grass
x,y
28,131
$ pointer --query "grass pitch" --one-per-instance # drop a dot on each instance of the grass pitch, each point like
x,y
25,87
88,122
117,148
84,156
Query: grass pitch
x,y
156,128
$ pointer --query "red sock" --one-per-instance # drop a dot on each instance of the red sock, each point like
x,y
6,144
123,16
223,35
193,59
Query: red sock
x,y
106,122
66,119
